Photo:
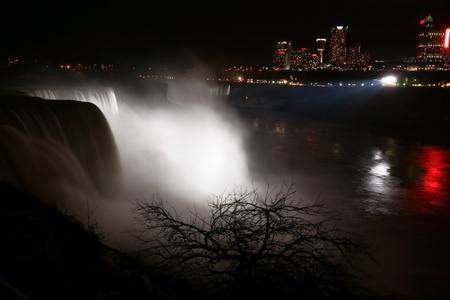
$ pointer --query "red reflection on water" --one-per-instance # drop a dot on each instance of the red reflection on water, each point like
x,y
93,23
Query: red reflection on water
x,y
311,139
432,188
432,179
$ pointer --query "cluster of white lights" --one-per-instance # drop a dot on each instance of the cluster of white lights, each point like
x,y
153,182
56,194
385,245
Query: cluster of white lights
x,y
389,80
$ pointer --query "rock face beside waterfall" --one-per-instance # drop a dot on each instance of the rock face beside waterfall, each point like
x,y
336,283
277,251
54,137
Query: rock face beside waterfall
x,y
57,149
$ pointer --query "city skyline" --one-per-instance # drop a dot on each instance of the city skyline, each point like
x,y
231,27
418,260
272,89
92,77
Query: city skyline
x,y
433,51
219,34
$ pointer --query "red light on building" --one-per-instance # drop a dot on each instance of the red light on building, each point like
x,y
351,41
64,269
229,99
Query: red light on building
x,y
446,39
421,22
314,55
280,52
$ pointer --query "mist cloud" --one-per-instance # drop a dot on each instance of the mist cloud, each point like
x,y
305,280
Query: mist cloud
x,y
186,151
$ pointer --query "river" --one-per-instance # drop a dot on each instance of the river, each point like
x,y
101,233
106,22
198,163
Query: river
x,y
390,183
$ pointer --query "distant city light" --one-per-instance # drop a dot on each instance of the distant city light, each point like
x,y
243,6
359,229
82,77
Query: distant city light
x,y
389,80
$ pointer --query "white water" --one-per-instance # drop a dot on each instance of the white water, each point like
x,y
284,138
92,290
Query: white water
x,y
186,154
186,151
104,98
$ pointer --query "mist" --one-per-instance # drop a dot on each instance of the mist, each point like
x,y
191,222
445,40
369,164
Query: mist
x,y
177,140
184,146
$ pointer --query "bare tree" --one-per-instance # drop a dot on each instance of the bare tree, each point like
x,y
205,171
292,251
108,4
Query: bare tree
x,y
253,244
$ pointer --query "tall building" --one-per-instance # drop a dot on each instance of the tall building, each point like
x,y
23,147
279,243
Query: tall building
x,y
302,60
338,45
282,56
357,60
431,41
320,47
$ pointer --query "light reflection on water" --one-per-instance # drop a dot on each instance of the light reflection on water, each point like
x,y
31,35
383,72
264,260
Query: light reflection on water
x,y
380,174
394,193
431,190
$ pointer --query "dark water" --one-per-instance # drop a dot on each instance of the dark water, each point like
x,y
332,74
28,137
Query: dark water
x,y
392,186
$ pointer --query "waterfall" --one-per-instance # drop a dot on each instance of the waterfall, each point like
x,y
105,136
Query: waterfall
x,y
57,149
104,98
220,90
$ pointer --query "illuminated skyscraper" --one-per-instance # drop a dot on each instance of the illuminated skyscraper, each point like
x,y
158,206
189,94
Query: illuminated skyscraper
x,y
338,44
357,60
431,41
320,47
301,59
282,56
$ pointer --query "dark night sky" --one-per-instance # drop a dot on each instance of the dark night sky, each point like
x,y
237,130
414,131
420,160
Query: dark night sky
x,y
219,32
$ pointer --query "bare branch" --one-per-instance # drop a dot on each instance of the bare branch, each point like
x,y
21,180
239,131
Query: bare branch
x,y
249,238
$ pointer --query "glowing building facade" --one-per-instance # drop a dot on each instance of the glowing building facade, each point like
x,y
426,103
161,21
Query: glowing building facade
x,y
304,60
282,56
431,41
357,60
320,48
338,45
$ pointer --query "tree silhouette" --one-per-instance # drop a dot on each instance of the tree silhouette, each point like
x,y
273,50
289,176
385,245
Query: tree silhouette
x,y
251,244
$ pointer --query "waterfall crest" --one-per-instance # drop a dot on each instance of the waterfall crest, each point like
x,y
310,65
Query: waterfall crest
x,y
104,98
